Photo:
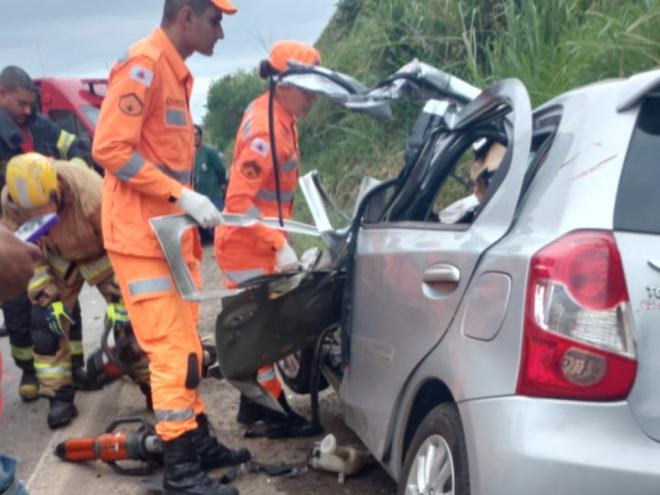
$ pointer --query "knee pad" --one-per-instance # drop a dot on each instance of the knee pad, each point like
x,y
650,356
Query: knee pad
x,y
192,374
45,343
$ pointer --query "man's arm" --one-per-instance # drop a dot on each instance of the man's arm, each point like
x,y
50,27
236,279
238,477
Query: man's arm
x,y
119,130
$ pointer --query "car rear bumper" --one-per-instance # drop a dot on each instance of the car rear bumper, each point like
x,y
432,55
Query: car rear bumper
x,y
539,446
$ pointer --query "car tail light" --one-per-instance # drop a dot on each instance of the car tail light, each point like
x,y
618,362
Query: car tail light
x,y
578,338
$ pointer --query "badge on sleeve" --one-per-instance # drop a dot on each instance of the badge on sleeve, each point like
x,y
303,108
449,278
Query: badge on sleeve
x,y
131,105
251,170
142,75
260,146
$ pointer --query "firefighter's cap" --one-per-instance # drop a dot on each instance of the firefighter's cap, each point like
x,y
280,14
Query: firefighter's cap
x,y
225,6
284,52
32,181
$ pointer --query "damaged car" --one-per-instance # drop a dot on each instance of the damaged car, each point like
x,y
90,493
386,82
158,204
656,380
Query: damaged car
x,y
489,317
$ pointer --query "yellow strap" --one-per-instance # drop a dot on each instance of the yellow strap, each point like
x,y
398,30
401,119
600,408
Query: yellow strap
x,y
64,142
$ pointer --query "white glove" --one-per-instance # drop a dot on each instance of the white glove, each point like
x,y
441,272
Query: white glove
x,y
200,208
286,259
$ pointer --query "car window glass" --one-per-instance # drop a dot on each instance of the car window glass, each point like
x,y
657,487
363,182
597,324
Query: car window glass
x,y
638,202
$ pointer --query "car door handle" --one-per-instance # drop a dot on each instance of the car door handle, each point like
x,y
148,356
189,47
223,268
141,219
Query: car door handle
x,y
442,274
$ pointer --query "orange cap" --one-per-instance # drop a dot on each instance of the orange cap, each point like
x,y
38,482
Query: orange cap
x,y
225,5
284,52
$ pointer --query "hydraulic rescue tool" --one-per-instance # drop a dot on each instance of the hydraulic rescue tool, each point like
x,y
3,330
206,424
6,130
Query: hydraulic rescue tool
x,y
142,445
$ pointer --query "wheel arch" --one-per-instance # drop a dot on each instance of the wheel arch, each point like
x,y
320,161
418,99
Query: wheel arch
x,y
432,393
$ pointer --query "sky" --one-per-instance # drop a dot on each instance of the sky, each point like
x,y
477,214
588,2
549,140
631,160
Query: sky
x,y
82,38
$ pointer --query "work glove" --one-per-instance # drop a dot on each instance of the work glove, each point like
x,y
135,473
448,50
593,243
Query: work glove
x,y
116,317
286,259
200,208
54,313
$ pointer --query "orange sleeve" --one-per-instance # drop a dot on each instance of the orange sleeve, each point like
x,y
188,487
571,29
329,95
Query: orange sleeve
x,y
131,93
249,174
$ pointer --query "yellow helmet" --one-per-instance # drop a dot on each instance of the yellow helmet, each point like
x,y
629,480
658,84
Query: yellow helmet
x,y
32,181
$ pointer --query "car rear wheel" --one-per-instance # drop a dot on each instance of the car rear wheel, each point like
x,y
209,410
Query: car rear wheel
x,y
296,371
436,462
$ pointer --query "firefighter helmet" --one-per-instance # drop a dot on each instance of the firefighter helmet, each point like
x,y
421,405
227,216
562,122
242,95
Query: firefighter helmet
x,y
32,181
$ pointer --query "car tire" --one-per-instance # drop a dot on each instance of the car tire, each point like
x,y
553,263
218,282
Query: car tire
x,y
440,432
296,371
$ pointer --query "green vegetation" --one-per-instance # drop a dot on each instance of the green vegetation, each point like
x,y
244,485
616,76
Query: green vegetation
x,y
551,45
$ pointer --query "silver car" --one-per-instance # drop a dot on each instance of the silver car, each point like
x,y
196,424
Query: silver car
x,y
514,350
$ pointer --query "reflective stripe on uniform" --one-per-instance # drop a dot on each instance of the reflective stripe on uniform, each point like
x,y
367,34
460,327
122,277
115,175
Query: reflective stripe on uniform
x,y
76,347
247,129
59,264
182,176
45,370
290,165
131,168
174,414
268,195
40,278
96,268
175,117
266,375
238,276
64,142
21,353
149,285
253,212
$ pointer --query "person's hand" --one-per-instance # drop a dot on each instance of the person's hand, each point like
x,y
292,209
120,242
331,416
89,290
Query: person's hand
x,y
17,262
116,317
200,208
55,312
286,259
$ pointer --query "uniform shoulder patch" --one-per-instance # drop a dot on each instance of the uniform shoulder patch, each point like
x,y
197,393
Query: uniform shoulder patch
x,y
131,105
251,170
142,75
260,146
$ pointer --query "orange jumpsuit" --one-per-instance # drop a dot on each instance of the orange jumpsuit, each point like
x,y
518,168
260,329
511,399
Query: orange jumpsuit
x,y
144,140
246,252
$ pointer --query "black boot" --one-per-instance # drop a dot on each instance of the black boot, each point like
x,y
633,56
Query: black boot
x,y
81,380
212,454
273,424
62,409
183,474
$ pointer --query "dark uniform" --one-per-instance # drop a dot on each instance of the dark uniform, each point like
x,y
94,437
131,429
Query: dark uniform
x,y
44,137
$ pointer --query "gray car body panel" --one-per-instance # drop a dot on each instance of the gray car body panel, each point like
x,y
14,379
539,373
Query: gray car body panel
x,y
393,262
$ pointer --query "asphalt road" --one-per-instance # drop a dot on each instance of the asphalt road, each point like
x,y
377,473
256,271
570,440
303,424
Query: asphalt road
x,y
25,435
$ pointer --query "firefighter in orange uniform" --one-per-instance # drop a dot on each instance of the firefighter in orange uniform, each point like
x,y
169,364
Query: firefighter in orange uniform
x,y
144,140
73,254
243,253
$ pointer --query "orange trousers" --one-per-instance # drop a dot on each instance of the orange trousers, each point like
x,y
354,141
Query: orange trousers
x,y
166,329
236,267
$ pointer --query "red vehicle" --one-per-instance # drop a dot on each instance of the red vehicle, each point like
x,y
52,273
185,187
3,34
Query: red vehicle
x,y
73,104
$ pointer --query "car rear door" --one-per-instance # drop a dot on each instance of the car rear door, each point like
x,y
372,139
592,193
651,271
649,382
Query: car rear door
x,y
410,277
637,233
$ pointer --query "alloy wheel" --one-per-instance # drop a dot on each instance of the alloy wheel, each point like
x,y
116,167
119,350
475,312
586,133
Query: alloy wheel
x,y
432,472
